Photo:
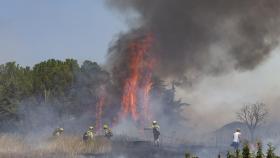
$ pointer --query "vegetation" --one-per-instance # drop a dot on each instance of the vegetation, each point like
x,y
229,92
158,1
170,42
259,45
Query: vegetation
x,y
270,152
230,155
246,151
50,83
237,153
69,89
247,154
260,151
187,155
13,146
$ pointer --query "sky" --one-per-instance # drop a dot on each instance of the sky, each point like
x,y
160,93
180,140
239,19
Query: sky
x,y
35,30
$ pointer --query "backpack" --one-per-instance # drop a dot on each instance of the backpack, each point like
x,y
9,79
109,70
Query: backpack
x,y
156,131
85,136
109,133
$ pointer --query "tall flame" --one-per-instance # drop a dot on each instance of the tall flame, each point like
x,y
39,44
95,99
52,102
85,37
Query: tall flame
x,y
139,63
99,108
147,86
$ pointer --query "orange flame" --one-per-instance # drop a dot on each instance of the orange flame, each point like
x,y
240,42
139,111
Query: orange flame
x,y
147,86
99,108
137,50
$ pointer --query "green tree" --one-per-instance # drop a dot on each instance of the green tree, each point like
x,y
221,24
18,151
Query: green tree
x,y
246,151
15,85
237,153
260,151
64,85
270,152
8,111
170,105
187,155
230,155
53,78
16,81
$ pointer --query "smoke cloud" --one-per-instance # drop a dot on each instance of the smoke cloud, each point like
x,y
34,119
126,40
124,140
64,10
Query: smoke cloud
x,y
199,37
215,44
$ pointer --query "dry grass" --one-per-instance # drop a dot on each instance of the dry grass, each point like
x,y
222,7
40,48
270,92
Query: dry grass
x,y
13,146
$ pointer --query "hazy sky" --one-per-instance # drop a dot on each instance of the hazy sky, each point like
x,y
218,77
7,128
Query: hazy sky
x,y
36,30
215,100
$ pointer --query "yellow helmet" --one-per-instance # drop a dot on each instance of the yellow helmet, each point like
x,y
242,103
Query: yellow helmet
x,y
105,126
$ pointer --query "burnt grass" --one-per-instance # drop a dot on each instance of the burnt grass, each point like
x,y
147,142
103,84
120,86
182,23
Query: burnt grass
x,y
138,149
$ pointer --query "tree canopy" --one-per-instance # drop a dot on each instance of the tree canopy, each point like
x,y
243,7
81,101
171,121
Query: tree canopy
x,y
69,88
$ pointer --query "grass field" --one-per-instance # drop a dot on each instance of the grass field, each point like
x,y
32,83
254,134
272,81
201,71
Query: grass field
x,y
13,146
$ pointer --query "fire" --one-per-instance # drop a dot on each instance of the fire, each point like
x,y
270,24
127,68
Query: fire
x,y
99,108
140,71
147,86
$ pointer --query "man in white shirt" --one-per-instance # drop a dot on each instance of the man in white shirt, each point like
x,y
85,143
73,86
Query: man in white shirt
x,y
236,139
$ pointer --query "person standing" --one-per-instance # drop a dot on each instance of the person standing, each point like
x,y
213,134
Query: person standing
x,y
89,134
107,131
236,139
156,133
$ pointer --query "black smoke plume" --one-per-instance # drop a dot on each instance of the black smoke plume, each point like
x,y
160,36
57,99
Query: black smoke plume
x,y
205,37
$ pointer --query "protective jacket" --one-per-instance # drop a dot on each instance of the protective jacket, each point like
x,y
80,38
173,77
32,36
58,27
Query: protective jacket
x,y
156,131
88,135
108,133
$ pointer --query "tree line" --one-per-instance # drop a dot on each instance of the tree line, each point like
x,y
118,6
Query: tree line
x,y
69,88
49,83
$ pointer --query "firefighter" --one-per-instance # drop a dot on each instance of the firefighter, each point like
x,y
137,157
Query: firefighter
x,y
58,132
156,133
107,131
89,134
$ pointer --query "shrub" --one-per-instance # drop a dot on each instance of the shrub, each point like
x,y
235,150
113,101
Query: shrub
x,y
237,153
187,155
246,151
270,152
260,150
230,155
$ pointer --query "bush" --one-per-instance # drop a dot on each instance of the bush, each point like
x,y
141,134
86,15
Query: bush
x,y
187,155
230,155
270,152
237,153
246,151
260,151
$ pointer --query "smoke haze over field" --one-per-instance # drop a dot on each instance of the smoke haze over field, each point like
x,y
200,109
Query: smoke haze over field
x,y
216,100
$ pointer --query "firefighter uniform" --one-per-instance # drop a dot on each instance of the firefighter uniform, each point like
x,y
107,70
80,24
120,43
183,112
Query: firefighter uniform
x,y
58,132
156,133
89,134
107,131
